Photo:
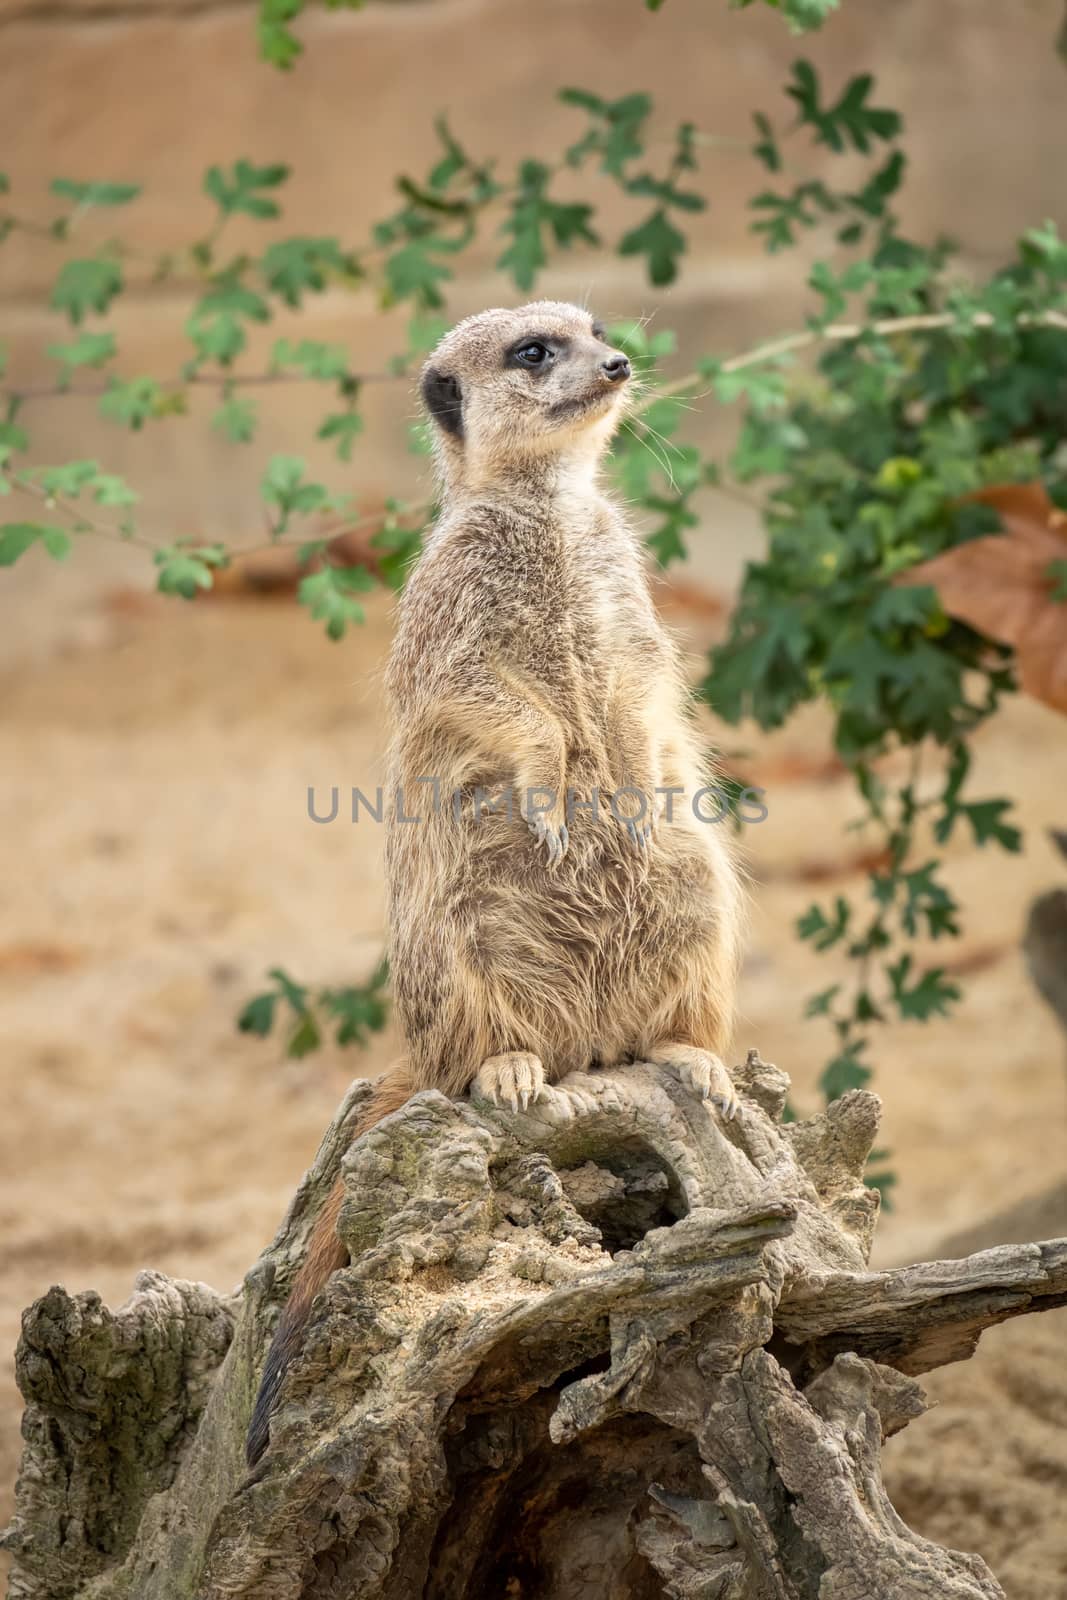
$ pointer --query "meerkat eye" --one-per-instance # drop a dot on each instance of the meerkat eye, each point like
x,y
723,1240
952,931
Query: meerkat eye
x,y
532,355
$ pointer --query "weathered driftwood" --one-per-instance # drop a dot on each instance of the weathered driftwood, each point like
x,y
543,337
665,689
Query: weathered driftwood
x,y
607,1347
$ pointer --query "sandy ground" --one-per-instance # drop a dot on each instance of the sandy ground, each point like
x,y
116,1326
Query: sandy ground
x,y
156,858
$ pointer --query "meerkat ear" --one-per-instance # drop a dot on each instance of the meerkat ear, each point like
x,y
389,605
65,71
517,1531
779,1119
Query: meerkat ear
x,y
443,399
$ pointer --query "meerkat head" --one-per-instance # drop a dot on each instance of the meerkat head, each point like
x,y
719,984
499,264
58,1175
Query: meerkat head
x,y
509,390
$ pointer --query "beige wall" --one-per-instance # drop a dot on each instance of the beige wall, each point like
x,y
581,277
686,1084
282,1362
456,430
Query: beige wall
x,y
155,92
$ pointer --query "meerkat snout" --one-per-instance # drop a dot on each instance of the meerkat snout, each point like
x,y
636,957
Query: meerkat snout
x,y
616,369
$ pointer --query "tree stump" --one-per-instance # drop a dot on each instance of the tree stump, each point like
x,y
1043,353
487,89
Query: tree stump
x,y
608,1348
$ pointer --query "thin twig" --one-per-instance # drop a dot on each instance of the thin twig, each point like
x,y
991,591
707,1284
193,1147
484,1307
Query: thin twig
x,y
88,523
840,332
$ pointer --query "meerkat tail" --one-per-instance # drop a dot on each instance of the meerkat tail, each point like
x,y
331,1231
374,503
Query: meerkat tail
x,y
325,1254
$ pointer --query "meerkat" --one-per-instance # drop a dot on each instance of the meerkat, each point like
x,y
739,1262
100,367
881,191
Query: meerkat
x,y
550,908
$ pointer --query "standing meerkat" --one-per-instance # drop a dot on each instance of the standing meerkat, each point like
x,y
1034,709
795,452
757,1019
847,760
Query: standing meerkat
x,y
552,905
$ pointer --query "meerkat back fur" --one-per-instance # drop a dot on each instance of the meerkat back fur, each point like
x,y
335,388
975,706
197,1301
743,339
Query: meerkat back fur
x,y
536,928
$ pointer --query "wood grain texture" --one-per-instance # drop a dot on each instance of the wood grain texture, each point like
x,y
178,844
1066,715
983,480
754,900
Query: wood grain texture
x,y
489,1402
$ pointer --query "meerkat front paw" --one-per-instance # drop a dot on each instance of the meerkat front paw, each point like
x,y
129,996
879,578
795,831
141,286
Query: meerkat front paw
x,y
555,840
514,1078
703,1072
640,828
638,833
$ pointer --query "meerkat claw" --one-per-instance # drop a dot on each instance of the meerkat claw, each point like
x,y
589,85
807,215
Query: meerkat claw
x,y
639,837
555,840
514,1078
703,1073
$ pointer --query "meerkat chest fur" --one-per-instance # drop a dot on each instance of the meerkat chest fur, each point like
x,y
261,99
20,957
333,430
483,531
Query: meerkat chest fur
x,y
543,597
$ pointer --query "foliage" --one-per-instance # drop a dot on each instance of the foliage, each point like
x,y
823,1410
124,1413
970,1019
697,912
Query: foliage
x,y
924,386
279,44
306,1017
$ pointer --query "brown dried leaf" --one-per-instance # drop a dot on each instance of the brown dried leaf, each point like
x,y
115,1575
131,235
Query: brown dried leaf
x,y
1000,586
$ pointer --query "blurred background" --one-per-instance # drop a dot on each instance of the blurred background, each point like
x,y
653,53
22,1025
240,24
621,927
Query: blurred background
x,y
155,855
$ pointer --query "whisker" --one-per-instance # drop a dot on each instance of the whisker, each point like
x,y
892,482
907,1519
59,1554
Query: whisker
x,y
668,444
661,460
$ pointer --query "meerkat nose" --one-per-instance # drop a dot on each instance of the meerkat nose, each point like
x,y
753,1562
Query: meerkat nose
x,y
615,368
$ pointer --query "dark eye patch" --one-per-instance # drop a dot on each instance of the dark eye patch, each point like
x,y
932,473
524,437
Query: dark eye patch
x,y
551,344
599,331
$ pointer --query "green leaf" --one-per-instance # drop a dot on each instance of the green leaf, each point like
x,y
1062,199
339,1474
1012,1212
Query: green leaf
x,y
328,595
72,477
295,994
412,274
985,818
87,350
236,418
358,1010
1044,247
185,569
454,161
111,490
344,427
12,438
658,240
296,267
821,1005
617,130
87,285
304,1038
318,360
931,995
763,387
663,189
836,287
18,537
241,190
925,899
216,323
822,931
781,215
802,15
883,183
766,149
133,403
68,480
258,1015
278,45
284,486
400,544
95,194
533,216
850,121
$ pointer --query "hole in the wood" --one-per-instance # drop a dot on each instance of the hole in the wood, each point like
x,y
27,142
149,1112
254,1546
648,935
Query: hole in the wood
x,y
533,1520
625,1191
